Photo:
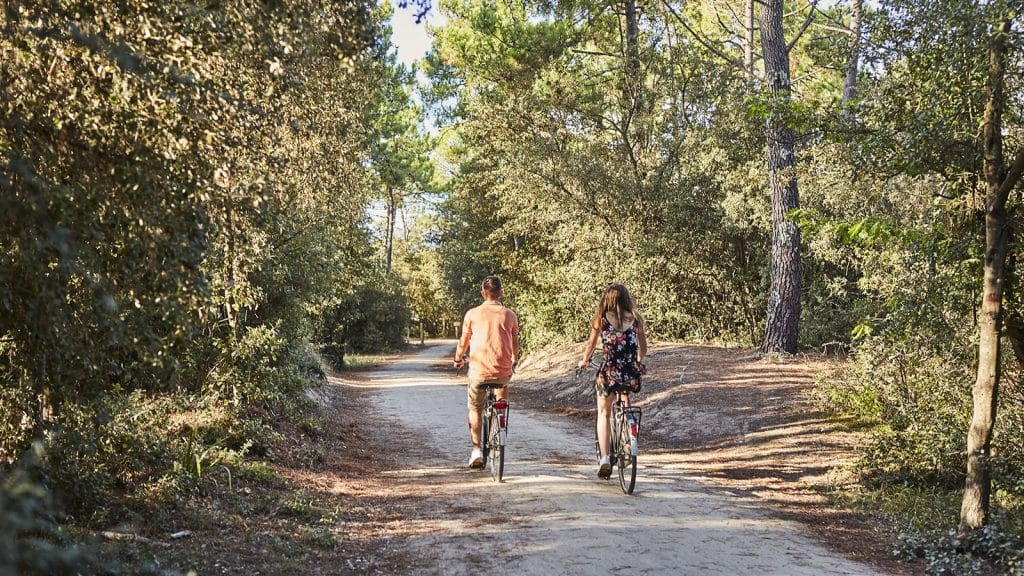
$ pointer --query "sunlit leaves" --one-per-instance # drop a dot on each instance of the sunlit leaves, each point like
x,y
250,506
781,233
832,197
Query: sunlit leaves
x,y
175,176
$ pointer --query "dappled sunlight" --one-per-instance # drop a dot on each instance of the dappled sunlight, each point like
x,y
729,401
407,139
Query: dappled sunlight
x,y
551,506
404,381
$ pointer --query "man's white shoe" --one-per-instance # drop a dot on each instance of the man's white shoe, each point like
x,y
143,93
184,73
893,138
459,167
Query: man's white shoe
x,y
604,469
476,459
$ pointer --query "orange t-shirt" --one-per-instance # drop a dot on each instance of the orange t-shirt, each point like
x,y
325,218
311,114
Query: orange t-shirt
x,y
490,330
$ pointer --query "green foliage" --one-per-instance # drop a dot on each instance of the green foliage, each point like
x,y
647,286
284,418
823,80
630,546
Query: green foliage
x,y
257,472
321,538
923,520
373,317
563,185
956,555
104,448
30,540
183,193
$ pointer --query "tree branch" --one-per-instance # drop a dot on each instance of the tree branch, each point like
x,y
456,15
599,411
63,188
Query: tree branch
x,y
735,16
704,42
718,17
803,28
1013,176
839,29
594,53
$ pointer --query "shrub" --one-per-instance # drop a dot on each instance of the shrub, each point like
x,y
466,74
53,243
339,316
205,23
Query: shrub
x,y
107,447
30,540
370,319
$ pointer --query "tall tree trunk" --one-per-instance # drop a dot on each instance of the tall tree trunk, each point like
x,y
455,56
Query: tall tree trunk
x,y
389,240
853,59
974,508
748,44
634,81
782,325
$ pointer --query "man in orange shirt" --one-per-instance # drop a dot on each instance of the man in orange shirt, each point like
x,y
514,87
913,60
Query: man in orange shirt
x,y
490,332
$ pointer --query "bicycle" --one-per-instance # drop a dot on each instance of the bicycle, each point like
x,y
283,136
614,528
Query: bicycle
x,y
493,430
624,440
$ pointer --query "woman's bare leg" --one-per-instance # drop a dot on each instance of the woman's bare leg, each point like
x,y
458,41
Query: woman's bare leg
x,y
604,410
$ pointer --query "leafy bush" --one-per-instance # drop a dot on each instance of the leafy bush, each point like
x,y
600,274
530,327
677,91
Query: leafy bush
x,y
16,408
905,390
107,447
373,317
953,554
30,540
170,236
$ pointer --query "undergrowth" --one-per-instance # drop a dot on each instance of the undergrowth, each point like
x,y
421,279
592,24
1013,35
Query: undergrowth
x,y
911,468
924,522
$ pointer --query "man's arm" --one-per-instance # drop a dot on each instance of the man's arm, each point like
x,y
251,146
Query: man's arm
x,y
641,337
515,348
463,346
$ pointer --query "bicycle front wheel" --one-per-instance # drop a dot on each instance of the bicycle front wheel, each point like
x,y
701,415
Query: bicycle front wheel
x,y
625,460
495,451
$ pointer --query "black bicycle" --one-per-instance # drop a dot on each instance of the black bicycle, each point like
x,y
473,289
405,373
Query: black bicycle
x,y
494,431
623,441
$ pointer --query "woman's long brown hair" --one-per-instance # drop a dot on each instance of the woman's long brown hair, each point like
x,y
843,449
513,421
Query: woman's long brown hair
x,y
616,299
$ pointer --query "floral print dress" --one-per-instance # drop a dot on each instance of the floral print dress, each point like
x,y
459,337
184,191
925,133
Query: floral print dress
x,y
620,371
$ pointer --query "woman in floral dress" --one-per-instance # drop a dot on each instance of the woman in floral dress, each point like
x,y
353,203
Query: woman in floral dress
x,y
620,329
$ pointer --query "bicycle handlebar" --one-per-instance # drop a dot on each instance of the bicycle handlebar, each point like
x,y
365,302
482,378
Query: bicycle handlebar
x,y
581,369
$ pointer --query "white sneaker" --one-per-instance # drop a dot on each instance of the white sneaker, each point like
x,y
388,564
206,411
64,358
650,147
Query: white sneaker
x,y
604,467
476,459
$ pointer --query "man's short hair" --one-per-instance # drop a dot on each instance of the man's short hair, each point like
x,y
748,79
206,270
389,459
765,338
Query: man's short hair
x,y
492,285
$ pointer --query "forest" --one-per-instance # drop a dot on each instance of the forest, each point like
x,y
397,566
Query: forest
x,y
205,208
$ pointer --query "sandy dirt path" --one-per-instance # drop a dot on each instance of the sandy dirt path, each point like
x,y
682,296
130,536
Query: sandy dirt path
x,y
552,514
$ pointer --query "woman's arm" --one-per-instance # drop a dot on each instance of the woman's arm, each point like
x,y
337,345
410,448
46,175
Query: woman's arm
x,y
641,338
588,350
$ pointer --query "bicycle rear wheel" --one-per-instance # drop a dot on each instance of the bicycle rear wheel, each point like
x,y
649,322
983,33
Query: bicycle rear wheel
x,y
496,452
625,460
485,436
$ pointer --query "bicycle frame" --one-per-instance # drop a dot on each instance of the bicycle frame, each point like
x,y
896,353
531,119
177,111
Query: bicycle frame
x,y
500,407
632,417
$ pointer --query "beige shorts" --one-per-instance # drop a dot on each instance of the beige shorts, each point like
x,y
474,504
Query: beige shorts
x,y
476,395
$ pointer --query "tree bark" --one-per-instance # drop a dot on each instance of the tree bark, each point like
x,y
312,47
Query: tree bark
x,y
782,325
634,82
974,509
853,59
748,44
389,240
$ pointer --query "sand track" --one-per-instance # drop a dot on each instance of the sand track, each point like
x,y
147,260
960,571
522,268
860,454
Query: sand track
x,y
552,515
